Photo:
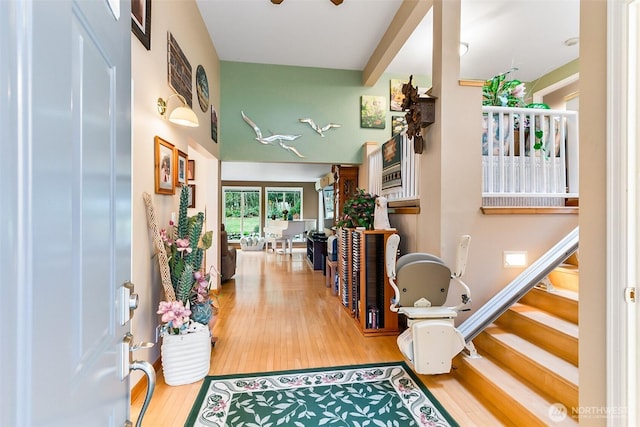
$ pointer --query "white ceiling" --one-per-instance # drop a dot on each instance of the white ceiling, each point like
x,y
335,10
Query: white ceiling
x,y
526,34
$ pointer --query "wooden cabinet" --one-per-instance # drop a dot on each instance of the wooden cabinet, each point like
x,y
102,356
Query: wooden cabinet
x,y
363,286
344,186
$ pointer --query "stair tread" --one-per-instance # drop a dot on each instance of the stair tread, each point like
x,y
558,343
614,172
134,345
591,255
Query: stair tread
x,y
568,267
540,356
517,390
559,292
547,319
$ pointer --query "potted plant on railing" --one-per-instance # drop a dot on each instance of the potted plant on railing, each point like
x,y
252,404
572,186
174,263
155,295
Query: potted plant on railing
x,y
187,311
502,92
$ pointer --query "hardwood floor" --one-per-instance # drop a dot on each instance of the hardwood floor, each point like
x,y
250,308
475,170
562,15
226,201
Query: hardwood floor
x,y
277,314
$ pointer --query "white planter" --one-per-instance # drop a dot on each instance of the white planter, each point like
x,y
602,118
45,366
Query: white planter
x,y
186,358
252,243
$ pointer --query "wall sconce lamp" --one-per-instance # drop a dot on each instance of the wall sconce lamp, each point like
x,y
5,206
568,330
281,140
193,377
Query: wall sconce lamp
x,y
182,115
464,48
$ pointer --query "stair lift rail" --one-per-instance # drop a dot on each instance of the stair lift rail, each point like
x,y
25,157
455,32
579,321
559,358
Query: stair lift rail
x,y
518,287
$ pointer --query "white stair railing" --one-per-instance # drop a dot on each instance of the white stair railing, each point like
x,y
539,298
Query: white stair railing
x,y
405,175
529,152
533,156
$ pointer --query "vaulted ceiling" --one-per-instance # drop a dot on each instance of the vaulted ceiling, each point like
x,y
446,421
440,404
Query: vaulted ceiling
x,y
534,36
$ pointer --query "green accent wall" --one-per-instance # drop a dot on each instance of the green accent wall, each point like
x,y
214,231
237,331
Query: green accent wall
x,y
276,96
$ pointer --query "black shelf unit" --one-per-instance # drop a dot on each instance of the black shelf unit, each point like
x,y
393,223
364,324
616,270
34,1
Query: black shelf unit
x,y
316,250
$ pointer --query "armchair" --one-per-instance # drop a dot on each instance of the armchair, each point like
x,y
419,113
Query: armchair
x,y
227,256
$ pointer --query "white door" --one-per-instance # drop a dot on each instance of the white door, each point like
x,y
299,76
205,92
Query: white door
x,y
65,213
623,213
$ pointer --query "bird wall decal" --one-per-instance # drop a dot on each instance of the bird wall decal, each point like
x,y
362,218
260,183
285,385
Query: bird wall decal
x,y
269,140
320,130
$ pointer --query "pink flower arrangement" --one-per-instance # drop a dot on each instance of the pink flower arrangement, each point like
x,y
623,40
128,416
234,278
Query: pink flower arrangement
x,y
175,315
202,287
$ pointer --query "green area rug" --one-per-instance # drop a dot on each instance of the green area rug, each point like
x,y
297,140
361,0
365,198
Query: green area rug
x,y
383,394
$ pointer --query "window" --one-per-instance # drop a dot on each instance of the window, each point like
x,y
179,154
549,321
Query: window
x,y
280,199
241,212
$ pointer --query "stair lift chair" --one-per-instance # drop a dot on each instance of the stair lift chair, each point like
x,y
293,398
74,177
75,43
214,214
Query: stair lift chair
x,y
421,284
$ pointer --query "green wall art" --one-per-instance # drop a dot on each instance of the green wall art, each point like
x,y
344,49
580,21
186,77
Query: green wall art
x,y
373,112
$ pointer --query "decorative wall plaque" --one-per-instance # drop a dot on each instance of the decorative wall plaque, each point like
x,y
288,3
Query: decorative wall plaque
x,y
202,88
179,70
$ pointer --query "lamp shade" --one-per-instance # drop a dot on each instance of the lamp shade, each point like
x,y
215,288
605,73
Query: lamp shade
x,y
184,116
463,49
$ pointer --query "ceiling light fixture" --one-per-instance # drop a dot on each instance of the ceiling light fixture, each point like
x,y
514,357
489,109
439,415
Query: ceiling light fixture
x,y
182,115
464,48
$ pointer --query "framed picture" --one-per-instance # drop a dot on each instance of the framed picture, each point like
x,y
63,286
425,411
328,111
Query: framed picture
x,y
192,196
164,166
141,21
373,112
327,193
398,125
214,124
191,170
396,97
181,168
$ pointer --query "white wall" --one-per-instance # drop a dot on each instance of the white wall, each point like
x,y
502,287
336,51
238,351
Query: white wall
x,y
149,74
208,199
593,250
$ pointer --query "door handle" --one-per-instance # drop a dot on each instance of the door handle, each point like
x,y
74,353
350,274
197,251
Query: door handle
x,y
128,365
148,370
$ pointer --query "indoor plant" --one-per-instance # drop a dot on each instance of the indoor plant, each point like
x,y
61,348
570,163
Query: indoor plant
x,y
502,92
185,244
358,210
188,310
499,91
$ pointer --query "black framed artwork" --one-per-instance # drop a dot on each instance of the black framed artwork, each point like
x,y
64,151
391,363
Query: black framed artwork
x,y
141,21
214,125
398,125
192,196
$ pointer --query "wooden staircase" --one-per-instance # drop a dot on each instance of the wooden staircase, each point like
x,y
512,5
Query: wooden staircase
x,y
528,358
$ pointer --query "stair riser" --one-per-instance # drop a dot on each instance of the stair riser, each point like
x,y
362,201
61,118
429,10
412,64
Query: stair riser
x,y
563,308
482,386
565,279
554,386
554,341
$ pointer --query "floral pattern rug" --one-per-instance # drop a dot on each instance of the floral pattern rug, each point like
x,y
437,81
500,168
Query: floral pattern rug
x,y
384,394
